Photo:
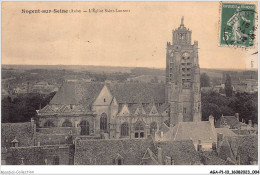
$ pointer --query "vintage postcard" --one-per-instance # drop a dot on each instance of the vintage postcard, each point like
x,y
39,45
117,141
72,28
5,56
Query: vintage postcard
x,y
129,83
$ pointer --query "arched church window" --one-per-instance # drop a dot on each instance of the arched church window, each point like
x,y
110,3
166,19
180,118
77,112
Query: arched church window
x,y
153,127
139,130
84,127
66,123
49,124
103,122
124,129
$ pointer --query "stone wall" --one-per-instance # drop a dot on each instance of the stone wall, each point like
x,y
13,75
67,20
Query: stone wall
x,y
59,130
52,139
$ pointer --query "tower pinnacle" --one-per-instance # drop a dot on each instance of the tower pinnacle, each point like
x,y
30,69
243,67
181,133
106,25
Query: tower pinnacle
x,y
182,19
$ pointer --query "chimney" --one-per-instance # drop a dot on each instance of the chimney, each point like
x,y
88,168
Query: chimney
x,y
250,123
172,162
22,161
32,122
214,146
159,155
161,134
238,159
46,161
3,156
237,116
199,146
211,120
219,139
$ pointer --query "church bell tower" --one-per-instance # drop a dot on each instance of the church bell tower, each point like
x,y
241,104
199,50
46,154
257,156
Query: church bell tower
x,y
183,77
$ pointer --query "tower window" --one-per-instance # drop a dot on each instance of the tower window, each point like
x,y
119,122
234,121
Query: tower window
x,y
184,110
104,100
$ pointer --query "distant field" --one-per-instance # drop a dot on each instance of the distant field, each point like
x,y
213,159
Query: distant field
x,y
137,71
77,68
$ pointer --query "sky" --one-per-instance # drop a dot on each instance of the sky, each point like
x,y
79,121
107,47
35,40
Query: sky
x,y
134,39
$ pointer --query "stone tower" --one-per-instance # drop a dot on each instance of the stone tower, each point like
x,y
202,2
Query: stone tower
x,y
183,77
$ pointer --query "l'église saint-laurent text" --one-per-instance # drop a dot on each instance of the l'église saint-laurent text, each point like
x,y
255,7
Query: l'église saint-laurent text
x,y
93,10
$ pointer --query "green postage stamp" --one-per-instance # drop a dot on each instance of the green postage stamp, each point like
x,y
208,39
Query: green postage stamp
x,y
237,24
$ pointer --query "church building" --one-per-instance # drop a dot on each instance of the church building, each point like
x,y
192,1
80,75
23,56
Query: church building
x,y
130,110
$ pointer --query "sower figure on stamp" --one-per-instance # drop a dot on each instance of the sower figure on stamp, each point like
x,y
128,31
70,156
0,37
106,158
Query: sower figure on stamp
x,y
235,21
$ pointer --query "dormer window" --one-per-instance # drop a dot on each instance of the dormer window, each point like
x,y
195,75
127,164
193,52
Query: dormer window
x,y
119,160
14,143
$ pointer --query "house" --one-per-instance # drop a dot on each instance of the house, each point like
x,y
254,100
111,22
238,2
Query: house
x,y
239,150
134,152
233,123
203,134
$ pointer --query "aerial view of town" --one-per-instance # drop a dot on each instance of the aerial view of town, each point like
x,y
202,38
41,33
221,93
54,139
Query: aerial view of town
x,y
177,114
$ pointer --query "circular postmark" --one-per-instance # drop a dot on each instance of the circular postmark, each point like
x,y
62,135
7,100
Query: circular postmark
x,y
239,29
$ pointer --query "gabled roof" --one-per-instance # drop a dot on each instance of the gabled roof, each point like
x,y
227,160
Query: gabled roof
x,y
228,120
133,108
244,146
131,92
153,111
47,109
50,109
15,141
150,155
182,152
124,111
85,93
163,108
195,131
140,110
225,131
17,131
103,152
211,158
77,93
148,108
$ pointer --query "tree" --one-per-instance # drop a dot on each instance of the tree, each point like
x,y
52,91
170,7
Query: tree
x,y
155,80
243,103
23,108
204,80
210,109
228,86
